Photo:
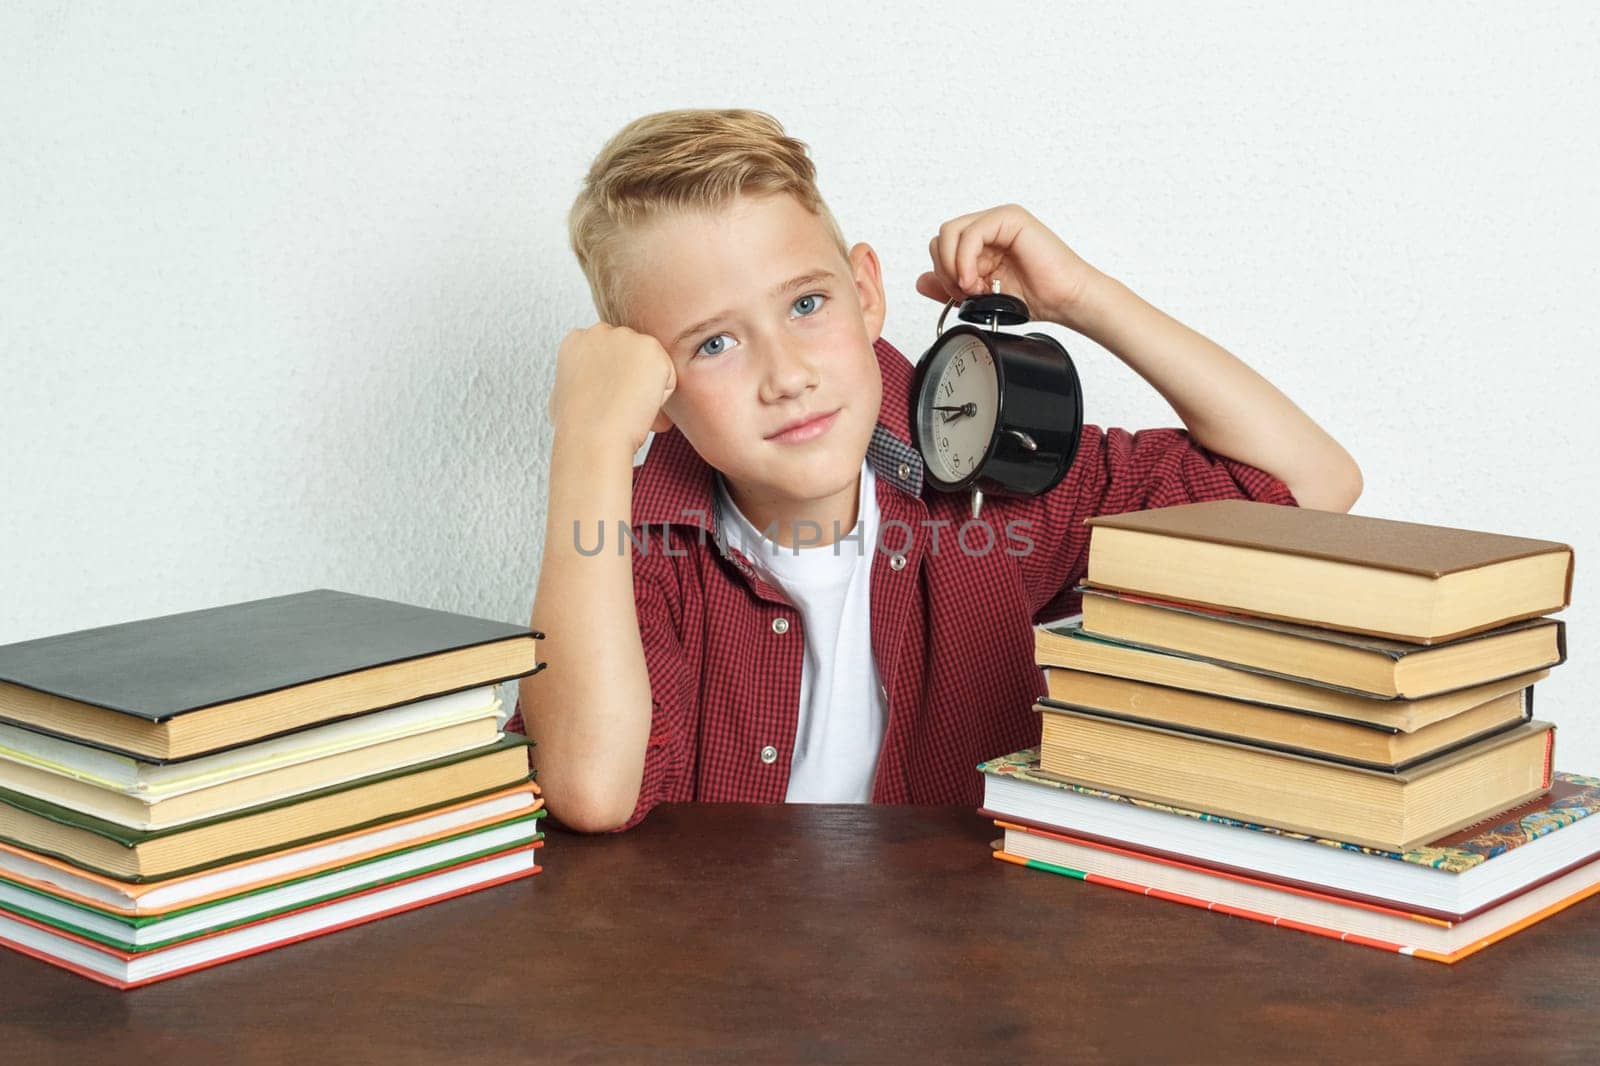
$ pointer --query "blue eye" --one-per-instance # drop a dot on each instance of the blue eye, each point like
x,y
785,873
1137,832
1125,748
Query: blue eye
x,y
702,349
813,296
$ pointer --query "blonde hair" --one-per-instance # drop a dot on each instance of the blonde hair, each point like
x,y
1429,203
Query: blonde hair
x,y
680,160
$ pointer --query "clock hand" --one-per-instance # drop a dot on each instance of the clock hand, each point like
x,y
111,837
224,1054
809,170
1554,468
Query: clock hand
x,y
967,409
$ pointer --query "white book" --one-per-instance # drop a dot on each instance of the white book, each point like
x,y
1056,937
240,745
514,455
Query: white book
x,y
121,773
147,812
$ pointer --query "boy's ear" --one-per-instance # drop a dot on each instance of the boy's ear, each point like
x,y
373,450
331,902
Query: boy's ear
x,y
868,276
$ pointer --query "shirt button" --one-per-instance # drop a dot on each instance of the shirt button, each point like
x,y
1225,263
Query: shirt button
x,y
897,562
769,754
780,626
904,471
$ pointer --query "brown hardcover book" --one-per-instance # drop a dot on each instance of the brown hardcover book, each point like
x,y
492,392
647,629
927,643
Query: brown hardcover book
x,y
133,854
1067,646
1402,580
1393,811
1358,743
1352,662
144,811
181,685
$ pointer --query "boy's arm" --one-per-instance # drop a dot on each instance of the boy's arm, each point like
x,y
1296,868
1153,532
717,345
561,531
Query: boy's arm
x,y
589,713
1227,407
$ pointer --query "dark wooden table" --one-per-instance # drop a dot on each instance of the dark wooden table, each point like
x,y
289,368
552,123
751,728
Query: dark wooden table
x,y
821,934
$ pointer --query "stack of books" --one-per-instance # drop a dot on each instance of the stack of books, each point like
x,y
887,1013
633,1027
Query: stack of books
x,y
1329,715
180,791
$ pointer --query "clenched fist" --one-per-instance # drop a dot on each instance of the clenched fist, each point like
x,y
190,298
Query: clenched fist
x,y
611,383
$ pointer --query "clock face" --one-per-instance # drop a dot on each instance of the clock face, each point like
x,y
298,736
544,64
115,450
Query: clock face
x,y
957,408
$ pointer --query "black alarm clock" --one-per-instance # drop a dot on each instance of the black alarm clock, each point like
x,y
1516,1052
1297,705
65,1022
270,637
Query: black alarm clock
x,y
995,412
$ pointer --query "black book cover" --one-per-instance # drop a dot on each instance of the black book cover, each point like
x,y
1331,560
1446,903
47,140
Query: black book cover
x,y
158,668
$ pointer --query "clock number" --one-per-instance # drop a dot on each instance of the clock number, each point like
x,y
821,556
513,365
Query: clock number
x,y
949,388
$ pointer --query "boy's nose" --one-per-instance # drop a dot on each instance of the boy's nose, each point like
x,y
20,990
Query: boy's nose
x,y
790,372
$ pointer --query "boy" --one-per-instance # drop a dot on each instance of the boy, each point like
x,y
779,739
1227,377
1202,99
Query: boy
x,y
786,621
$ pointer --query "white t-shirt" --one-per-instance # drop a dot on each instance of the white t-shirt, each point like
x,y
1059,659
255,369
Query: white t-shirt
x,y
842,712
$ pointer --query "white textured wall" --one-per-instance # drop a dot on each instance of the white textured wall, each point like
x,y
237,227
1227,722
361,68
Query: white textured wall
x,y
280,291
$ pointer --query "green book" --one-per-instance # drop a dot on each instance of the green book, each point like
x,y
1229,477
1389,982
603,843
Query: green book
x,y
157,931
148,854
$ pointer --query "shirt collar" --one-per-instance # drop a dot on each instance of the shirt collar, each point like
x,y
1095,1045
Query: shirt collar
x,y
674,485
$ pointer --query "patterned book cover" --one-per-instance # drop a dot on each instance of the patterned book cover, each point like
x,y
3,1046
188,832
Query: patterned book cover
x,y
1571,797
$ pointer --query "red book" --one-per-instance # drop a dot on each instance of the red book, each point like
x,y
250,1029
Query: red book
x,y
1307,911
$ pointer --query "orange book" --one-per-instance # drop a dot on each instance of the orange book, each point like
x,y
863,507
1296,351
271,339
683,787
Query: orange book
x,y
1303,909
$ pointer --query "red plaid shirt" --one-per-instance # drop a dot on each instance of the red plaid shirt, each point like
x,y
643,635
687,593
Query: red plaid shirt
x,y
952,624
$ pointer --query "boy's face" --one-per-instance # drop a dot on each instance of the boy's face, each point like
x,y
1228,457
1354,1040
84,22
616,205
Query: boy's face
x,y
754,354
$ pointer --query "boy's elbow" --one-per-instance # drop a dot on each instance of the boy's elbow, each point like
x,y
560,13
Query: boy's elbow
x,y
587,809
1348,488
1355,486
1336,491
589,819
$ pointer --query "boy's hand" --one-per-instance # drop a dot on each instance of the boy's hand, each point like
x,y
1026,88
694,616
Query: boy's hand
x,y
1008,242
611,383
